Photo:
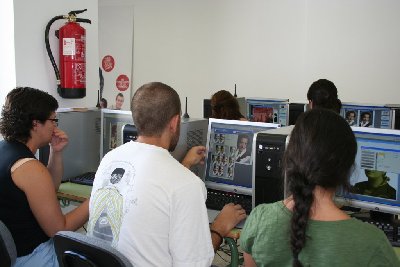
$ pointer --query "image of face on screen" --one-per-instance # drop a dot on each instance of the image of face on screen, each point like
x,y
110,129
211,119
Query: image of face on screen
x,y
226,150
351,117
375,183
366,119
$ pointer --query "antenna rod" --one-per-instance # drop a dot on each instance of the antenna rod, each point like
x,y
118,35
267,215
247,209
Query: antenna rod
x,y
235,95
186,115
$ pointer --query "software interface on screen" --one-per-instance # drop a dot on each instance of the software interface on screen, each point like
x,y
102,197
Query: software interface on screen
x,y
112,122
373,116
268,110
375,180
229,160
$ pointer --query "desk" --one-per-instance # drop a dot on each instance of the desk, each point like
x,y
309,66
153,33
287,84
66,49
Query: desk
x,y
73,192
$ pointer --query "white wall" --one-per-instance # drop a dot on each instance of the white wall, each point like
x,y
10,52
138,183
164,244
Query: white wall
x,y
33,67
7,68
116,39
269,48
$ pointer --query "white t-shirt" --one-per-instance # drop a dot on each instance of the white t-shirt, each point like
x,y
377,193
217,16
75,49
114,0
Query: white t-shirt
x,y
151,208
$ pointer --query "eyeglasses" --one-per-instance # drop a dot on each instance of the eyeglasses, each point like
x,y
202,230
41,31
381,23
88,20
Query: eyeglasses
x,y
53,120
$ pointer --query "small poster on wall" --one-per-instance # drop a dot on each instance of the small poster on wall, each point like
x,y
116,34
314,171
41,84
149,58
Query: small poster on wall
x,y
108,63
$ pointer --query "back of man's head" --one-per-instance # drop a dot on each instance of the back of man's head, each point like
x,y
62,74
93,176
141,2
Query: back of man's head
x,y
153,106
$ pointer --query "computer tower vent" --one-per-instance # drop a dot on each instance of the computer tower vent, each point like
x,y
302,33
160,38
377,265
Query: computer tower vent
x,y
194,138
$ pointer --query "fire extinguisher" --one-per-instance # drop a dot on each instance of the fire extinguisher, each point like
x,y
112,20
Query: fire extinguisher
x,y
71,78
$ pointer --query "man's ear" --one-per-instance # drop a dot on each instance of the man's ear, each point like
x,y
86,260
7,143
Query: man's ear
x,y
174,122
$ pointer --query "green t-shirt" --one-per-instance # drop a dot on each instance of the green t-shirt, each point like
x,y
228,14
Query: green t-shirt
x,y
266,236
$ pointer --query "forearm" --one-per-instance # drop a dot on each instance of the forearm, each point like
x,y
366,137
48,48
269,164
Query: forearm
x,y
55,167
216,240
77,217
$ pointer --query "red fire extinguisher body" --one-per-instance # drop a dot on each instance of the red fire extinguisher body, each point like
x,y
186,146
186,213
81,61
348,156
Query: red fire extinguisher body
x,y
72,41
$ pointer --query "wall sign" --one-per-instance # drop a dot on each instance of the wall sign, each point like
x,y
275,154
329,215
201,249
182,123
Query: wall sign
x,y
122,82
108,63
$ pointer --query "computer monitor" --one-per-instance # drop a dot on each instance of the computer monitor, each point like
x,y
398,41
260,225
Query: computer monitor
x,y
268,110
112,122
229,159
295,110
376,177
367,115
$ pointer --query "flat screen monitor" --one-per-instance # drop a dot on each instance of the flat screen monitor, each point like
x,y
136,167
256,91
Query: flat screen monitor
x,y
295,110
268,110
367,115
229,159
112,122
376,176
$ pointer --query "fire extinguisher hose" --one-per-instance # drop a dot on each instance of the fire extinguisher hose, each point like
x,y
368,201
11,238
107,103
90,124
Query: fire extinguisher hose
x,y
46,39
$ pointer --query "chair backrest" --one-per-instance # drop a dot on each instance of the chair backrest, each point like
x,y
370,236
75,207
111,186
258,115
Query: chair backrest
x,y
75,249
8,251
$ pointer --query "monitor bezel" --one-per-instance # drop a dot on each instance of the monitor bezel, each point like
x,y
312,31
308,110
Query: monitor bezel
x,y
226,187
365,204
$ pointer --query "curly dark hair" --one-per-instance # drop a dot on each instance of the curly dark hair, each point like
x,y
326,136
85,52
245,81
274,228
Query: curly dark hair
x,y
24,105
324,94
321,151
225,106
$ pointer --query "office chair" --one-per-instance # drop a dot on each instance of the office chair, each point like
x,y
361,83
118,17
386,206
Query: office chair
x,y
8,251
79,250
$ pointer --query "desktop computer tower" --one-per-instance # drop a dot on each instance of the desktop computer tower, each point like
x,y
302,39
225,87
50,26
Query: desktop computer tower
x,y
268,176
193,133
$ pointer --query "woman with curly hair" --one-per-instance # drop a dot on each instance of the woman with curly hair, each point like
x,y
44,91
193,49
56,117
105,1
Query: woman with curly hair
x,y
225,106
28,202
307,228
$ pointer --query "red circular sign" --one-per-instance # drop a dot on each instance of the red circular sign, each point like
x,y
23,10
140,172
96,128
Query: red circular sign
x,y
108,63
122,82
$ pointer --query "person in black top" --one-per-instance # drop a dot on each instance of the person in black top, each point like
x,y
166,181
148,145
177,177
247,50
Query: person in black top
x,y
28,202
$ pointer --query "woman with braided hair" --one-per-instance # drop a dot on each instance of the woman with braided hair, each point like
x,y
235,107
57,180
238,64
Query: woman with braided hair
x,y
307,228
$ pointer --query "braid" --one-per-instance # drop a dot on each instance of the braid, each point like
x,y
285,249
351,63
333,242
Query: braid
x,y
303,198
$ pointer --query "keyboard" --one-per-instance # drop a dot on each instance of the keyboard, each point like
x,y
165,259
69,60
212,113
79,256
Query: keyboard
x,y
217,199
85,179
391,230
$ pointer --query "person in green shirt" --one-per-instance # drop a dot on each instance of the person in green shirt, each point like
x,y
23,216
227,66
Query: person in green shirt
x,y
307,228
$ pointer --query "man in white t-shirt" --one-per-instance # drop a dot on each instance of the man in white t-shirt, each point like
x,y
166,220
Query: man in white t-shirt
x,y
148,205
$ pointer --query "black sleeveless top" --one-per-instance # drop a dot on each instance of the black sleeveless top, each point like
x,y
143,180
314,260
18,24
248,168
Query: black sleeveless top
x,y
15,212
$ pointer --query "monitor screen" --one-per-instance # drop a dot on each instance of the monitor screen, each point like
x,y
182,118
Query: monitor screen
x,y
367,115
229,159
268,110
375,180
112,122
